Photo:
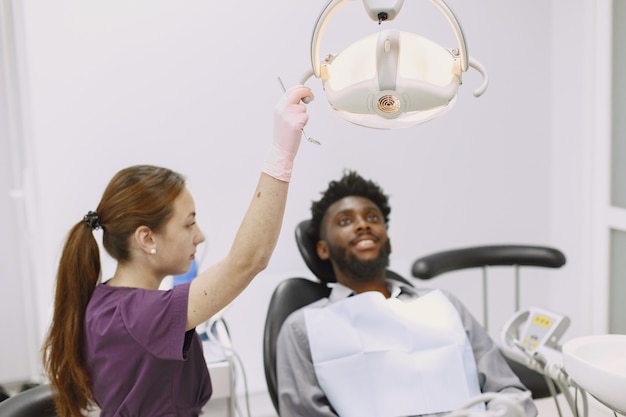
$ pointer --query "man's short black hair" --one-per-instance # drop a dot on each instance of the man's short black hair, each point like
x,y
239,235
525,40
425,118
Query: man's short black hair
x,y
351,184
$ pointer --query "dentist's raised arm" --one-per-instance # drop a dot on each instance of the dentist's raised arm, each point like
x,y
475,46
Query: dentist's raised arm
x,y
258,233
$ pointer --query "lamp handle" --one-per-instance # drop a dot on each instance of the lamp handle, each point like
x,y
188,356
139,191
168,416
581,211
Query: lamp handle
x,y
478,67
333,5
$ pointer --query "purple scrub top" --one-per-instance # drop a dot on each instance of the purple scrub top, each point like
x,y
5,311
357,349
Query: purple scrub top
x,y
141,360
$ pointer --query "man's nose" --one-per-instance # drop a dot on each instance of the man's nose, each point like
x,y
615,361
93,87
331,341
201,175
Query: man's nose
x,y
361,223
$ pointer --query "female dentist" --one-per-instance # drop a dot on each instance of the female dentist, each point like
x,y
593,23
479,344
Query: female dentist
x,y
125,346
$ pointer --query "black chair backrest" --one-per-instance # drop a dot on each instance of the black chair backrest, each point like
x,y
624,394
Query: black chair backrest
x,y
290,295
34,402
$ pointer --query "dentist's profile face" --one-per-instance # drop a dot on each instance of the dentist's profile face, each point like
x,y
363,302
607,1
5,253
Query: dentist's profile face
x,y
180,237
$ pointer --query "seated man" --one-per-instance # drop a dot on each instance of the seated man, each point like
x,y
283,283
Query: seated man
x,y
378,346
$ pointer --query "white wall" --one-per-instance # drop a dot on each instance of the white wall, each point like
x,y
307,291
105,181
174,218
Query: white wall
x,y
191,85
19,321
573,140
13,327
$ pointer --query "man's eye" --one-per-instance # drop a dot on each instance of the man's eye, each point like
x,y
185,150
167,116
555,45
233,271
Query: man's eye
x,y
344,221
374,218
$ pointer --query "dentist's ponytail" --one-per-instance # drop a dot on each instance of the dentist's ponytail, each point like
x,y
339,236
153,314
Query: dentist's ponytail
x,y
64,361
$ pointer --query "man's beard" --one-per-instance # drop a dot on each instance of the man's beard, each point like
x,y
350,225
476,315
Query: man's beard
x,y
365,270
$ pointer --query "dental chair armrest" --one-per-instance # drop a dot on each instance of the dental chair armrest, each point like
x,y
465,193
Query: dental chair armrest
x,y
438,263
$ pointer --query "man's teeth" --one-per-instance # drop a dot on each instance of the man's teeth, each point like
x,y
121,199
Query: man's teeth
x,y
365,243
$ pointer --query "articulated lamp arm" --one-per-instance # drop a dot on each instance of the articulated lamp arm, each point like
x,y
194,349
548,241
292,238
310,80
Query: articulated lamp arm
x,y
332,6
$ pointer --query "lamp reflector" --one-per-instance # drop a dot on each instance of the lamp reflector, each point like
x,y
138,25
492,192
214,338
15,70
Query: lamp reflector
x,y
388,76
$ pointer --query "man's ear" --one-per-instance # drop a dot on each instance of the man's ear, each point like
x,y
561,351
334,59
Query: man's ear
x,y
322,250
144,238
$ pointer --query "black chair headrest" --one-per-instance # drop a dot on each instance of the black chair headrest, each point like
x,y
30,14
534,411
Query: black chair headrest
x,y
307,245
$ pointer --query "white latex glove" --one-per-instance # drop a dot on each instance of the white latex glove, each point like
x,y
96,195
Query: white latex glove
x,y
290,117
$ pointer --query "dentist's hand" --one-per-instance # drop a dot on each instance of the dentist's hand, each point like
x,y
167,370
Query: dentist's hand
x,y
290,117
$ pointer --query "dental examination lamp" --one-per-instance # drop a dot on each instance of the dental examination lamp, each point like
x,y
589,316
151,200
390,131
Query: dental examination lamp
x,y
391,79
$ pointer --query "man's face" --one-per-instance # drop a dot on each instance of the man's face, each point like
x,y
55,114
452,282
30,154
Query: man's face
x,y
353,236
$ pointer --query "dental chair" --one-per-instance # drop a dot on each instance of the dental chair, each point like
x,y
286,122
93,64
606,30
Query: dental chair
x,y
34,402
515,256
294,293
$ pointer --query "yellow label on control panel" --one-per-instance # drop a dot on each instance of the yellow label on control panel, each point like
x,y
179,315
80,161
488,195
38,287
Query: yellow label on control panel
x,y
542,320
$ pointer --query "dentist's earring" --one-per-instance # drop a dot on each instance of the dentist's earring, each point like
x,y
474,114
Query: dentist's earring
x,y
153,251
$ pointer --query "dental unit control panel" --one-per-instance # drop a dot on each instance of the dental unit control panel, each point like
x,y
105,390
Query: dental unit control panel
x,y
532,336
542,328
